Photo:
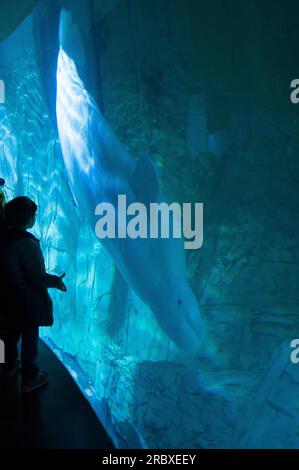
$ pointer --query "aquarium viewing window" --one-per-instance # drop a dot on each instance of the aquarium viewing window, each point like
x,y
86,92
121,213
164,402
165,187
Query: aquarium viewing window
x,y
159,140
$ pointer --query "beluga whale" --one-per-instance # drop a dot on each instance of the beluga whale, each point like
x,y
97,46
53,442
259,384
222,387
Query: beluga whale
x,y
100,169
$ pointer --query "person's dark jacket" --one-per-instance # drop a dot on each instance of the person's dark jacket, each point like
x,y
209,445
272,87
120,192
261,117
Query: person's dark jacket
x,y
24,282
2,221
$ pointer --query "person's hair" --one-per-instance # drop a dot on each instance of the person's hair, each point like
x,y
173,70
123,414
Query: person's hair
x,y
19,211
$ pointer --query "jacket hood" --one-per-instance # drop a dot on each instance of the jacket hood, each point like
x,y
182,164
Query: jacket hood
x,y
9,235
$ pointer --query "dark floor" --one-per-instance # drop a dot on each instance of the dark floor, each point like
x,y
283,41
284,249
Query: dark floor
x,y
57,417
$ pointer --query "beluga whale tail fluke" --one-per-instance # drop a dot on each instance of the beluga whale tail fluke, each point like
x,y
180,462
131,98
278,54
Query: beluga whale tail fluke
x,y
99,170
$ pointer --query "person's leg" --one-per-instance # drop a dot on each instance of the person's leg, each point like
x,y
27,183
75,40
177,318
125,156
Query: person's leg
x,y
11,339
29,352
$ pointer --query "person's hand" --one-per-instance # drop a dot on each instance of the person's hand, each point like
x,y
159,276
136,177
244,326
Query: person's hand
x,y
60,284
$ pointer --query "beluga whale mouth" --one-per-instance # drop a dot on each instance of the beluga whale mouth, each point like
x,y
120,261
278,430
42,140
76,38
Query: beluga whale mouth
x,y
99,170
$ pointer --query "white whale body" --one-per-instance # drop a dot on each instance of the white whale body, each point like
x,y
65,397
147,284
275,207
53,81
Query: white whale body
x,y
99,169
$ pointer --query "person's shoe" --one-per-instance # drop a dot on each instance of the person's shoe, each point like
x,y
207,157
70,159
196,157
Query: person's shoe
x,y
10,373
39,381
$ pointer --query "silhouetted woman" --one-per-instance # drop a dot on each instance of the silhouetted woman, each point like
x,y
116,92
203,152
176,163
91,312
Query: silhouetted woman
x,y
25,302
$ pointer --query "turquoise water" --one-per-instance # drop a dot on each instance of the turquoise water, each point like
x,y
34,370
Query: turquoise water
x,y
203,90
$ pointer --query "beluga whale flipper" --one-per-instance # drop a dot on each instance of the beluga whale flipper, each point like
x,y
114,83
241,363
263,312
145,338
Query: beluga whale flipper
x,y
99,170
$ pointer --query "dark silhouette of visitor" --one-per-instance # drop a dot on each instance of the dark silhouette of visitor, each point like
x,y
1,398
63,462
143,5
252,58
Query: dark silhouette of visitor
x,y
2,202
25,302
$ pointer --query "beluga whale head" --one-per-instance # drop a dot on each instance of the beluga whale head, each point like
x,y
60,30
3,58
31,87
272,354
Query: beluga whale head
x,y
177,312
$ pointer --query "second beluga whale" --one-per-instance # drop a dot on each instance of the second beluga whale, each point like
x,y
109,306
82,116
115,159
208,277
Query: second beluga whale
x,y
100,169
